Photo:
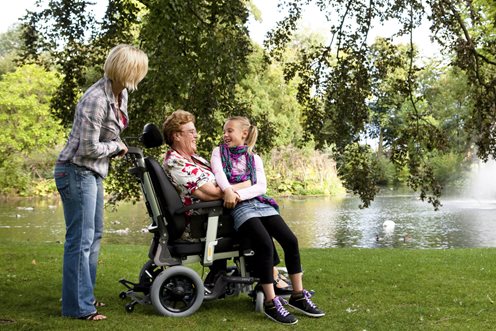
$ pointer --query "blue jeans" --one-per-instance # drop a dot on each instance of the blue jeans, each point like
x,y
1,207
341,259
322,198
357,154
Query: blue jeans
x,y
81,191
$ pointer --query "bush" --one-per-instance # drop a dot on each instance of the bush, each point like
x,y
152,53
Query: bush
x,y
386,172
448,168
29,132
301,171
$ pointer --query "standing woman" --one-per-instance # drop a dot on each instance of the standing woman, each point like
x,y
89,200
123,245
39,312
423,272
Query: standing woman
x,y
100,117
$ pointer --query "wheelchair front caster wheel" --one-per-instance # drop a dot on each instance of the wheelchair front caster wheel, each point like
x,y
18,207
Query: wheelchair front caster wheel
x,y
129,307
123,295
259,301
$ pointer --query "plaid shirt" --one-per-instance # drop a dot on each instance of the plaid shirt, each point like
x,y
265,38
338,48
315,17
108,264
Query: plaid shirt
x,y
96,128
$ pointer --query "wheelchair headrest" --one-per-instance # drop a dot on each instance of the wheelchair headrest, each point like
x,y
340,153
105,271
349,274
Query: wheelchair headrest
x,y
151,136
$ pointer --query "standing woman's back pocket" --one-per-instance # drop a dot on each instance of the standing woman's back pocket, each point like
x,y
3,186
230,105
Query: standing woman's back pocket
x,y
62,181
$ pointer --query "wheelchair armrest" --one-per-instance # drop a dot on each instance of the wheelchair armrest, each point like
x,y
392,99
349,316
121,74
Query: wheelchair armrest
x,y
135,150
200,205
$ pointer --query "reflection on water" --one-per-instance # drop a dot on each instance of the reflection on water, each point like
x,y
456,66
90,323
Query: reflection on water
x,y
459,223
317,221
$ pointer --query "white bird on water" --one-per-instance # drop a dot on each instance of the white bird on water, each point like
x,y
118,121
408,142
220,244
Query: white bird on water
x,y
388,226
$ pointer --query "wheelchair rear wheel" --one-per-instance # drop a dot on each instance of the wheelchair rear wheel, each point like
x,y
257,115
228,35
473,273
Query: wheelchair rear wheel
x,y
177,292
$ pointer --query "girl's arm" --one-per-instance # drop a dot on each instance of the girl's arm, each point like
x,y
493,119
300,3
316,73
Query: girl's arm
x,y
241,185
216,164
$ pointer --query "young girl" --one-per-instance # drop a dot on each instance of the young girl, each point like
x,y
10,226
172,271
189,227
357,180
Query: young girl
x,y
256,216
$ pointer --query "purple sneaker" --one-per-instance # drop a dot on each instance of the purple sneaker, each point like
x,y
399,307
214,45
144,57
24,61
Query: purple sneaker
x,y
303,303
275,311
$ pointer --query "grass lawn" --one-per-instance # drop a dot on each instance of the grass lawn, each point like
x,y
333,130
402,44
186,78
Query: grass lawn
x,y
359,289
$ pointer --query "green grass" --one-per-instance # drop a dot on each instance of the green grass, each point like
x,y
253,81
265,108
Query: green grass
x,y
360,289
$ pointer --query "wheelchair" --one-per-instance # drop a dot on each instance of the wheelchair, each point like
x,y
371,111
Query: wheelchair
x,y
166,281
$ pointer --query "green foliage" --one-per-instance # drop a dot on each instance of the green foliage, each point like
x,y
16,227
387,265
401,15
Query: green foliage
x,y
64,35
10,43
359,170
120,185
347,80
301,171
386,172
29,132
449,101
448,168
198,53
268,95
14,180
466,29
57,37
201,59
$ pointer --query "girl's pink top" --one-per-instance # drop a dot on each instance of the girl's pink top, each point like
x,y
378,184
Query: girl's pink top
x,y
239,167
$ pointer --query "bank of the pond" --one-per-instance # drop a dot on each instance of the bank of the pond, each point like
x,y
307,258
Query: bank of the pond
x,y
360,289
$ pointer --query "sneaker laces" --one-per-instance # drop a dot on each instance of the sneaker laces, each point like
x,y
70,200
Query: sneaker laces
x,y
279,304
307,297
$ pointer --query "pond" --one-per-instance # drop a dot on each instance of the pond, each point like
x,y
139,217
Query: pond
x,y
393,220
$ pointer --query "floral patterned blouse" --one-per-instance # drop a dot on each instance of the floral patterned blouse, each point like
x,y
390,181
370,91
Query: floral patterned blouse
x,y
187,176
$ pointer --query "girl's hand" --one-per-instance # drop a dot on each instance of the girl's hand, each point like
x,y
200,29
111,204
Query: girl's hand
x,y
231,198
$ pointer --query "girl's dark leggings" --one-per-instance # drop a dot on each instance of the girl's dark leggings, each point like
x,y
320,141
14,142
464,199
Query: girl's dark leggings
x,y
260,231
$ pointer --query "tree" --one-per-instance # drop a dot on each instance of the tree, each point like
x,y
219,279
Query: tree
x,y
64,35
10,43
57,37
198,53
466,29
335,93
27,126
266,91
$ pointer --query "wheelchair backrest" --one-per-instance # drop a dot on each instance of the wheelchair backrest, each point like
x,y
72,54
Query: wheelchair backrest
x,y
168,199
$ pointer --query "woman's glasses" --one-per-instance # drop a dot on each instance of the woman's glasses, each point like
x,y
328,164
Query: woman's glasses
x,y
191,131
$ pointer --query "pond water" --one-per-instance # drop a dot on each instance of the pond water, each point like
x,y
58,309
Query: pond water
x,y
393,220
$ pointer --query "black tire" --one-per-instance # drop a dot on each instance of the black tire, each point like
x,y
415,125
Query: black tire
x,y
177,292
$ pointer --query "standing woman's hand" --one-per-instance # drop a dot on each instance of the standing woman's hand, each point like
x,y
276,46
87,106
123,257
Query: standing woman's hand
x,y
123,149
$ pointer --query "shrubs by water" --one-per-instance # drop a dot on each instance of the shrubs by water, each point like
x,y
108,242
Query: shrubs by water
x,y
301,171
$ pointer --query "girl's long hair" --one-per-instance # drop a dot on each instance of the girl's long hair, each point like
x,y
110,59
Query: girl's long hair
x,y
244,122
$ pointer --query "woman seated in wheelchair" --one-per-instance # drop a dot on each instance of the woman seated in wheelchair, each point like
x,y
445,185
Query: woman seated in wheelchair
x,y
193,178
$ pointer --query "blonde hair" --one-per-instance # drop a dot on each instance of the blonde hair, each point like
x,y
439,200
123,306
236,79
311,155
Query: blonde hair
x,y
245,124
126,65
173,124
